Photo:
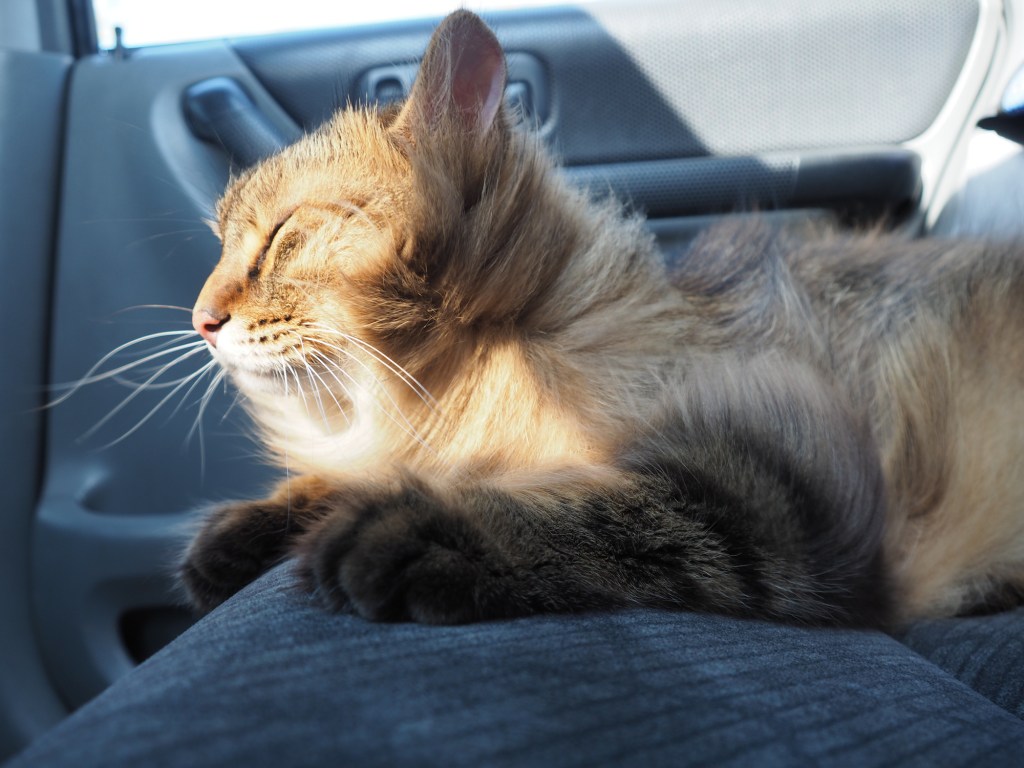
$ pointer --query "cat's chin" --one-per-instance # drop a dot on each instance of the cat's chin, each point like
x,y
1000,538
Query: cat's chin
x,y
272,385
254,383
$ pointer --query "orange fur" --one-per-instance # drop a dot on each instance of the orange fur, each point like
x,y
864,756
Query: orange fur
x,y
418,290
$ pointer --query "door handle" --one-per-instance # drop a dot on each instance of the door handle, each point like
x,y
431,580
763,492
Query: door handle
x,y
221,111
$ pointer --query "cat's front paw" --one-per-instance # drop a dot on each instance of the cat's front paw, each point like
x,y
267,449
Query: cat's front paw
x,y
237,543
403,554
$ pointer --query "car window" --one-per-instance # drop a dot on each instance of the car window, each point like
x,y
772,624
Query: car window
x,y
145,22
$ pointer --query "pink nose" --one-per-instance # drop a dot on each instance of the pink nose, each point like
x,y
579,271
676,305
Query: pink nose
x,y
208,325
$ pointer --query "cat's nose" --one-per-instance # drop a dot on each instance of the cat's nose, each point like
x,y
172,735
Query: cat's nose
x,y
209,324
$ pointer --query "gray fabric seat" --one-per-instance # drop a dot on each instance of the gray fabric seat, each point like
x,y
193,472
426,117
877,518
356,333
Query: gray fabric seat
x,y
269,679
985,652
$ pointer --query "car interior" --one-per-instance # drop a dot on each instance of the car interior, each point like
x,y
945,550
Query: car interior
x,y
861,112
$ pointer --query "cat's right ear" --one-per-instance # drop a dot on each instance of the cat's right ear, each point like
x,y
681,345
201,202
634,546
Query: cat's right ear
x,y
460,83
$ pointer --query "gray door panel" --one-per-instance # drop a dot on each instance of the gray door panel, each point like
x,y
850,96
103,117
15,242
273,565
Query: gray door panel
x,y
683,78
110,525
31,115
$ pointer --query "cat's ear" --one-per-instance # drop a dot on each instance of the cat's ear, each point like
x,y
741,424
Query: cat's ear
x,y
461,80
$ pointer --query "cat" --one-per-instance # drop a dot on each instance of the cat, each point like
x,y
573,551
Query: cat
x,y
494,399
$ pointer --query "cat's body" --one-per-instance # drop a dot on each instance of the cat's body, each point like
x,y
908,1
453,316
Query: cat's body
x,y
493,399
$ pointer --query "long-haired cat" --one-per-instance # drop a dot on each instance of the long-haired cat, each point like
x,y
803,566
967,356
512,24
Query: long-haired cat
x,y
494,400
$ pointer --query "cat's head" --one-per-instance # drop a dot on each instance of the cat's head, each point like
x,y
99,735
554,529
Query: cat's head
x,y
384,239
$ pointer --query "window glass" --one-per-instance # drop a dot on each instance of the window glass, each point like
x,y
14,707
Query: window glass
x,y
145,22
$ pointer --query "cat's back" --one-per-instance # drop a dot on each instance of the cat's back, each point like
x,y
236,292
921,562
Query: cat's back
x,y
763,281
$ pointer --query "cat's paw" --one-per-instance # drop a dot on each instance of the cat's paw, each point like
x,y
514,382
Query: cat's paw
x,y
237,543
404,555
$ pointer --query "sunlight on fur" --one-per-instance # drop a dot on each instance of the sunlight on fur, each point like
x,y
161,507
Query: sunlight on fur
x,y
493,399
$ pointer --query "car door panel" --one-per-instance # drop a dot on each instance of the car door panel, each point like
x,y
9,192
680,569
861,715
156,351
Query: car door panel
x,y
137,187
32,86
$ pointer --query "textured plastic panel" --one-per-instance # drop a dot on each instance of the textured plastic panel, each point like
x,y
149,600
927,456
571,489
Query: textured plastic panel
x,y
683,78
220,111
870,182
31,118
112,520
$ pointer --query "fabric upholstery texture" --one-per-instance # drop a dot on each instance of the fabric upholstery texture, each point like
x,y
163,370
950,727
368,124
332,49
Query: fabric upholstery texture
x,y
985,652
269,679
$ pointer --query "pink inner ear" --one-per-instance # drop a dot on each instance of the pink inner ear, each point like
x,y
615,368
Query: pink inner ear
x,y
462,77
478,76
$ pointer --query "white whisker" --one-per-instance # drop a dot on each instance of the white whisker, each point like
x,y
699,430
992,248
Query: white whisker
x,y
118,408
211,389
230,408
394,367
91,377
153,306
124,381
316,396
130,383
197,375
197,426
327,368
316,389
408,428
327,389
366,368
384,360
188,392
298,386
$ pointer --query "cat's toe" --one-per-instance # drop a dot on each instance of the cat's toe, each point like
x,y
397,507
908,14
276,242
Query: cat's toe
x,y
320,554
405,557
211,575
409,567
231,550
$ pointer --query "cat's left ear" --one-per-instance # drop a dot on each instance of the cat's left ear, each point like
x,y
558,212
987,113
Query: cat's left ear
x,y
461,80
